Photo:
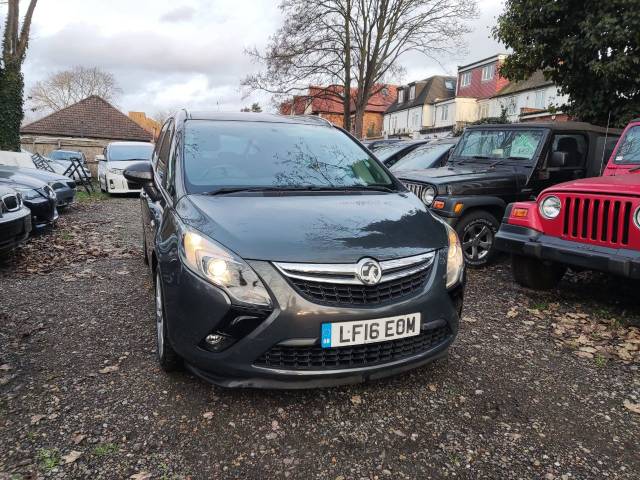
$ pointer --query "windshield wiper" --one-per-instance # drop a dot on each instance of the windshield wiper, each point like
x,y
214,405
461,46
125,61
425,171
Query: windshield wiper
x,y
298,188
634,169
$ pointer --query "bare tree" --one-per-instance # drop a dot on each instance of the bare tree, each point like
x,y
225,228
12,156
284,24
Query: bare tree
x,y
15,40
356,42
311,48
67,87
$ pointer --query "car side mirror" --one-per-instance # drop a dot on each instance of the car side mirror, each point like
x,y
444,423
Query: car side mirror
x,y
558,159
141,173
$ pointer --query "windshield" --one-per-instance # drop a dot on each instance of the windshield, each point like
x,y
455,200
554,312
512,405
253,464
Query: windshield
x,y
629,151
425,156
124,153
513,145
67,156
259,154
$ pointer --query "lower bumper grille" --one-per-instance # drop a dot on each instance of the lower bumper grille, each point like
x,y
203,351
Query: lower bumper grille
x,y
318,358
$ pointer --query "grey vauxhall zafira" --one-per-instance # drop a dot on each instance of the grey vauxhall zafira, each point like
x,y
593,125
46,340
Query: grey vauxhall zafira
x,y
285,255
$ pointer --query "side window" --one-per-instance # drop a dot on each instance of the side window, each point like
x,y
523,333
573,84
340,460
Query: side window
x,y
169,181
154,156
574,145
163,153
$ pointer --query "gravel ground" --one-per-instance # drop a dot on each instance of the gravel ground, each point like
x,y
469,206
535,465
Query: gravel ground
x,y
536,386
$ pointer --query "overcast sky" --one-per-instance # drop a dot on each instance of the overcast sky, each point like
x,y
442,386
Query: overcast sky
x,y
172,53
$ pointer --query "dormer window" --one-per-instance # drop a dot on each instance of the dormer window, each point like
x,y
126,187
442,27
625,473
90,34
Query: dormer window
x,y
487,72
412,92
448,84
400,96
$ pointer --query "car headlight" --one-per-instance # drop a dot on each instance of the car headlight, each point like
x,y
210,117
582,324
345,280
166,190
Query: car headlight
x,y
224,269
636,217
28,193
427,196
455,259
115,171
550,207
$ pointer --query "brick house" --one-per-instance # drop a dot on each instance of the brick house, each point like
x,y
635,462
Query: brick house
x,y
326,102
87,126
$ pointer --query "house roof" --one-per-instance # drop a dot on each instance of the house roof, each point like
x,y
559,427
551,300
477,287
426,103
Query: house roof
x,y
92,117
484,61
428,91
536,80
328,100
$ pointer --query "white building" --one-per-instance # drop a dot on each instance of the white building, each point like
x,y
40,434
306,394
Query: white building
x,y
535,95
413,114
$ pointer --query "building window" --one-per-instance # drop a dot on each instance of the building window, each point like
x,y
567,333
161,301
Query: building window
x,y
487,72
400,96
416,119
511,106
444,113
412,92
448,84
465,79
484,111
539,103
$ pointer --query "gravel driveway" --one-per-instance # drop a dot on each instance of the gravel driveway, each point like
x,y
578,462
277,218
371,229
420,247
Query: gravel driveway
x,y
536,386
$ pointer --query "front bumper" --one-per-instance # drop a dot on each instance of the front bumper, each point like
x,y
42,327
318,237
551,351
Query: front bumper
x,y
525,241
118,184
43,211
194,308
64,197
14,229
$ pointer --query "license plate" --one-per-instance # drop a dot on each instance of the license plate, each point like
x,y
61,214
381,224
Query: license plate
x,y
341,334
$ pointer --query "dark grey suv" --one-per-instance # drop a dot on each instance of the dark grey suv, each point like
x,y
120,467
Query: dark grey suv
x,y
285,255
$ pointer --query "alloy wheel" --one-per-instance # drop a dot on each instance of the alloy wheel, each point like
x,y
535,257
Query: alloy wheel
x,y
477,241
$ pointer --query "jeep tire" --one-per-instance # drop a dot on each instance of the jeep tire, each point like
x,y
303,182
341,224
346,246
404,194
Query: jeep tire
x,y
536,274
477,231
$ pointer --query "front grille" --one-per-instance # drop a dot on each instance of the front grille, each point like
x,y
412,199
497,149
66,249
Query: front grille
x,y
344,284
314,357
415,188
360,294
10,203
602,219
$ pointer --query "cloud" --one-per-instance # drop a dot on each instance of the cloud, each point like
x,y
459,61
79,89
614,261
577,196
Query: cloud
x,y
179,14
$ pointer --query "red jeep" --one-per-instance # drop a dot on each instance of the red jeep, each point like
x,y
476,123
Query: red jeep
x,y
592,223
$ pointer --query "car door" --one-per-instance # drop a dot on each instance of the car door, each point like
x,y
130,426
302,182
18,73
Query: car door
x,y
157,205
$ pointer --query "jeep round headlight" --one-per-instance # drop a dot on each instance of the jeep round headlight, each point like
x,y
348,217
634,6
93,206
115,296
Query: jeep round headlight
x,y
428,194
636,217
550,207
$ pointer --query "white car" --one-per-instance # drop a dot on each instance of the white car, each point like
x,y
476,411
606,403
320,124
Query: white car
x,y
117,156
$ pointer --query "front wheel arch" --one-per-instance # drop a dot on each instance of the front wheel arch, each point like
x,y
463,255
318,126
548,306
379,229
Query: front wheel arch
x,y
477,229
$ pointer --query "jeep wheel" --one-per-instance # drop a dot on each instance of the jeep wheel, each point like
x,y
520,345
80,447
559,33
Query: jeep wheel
x,y
477,232
167,357
536,274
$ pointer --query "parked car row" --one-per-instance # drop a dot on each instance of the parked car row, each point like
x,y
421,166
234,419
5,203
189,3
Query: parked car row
x,y
30,197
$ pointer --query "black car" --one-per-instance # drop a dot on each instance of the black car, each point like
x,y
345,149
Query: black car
x,y
36,194
15,220
493,165
427,155
285,255
64,187
392,152
373,145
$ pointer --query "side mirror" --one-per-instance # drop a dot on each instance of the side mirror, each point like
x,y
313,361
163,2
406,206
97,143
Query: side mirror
x,y
140,173
558,159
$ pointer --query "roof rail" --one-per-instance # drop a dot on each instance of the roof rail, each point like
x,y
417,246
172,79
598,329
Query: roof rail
x,y
316,118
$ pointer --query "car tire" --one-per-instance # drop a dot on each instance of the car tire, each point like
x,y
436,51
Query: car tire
x,y
477,231
536,274
168,359
144,248
101,187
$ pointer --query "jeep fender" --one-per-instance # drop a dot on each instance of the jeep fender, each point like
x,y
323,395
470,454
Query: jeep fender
x,y
475,202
